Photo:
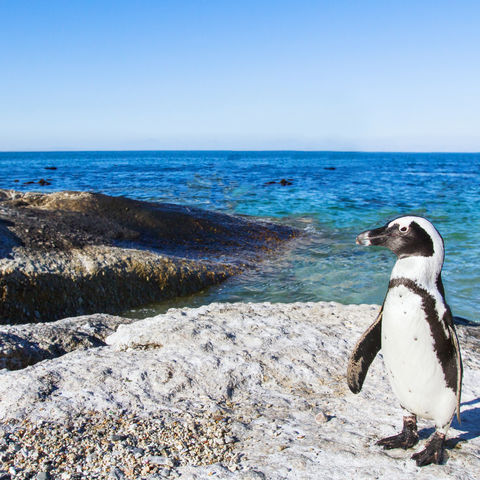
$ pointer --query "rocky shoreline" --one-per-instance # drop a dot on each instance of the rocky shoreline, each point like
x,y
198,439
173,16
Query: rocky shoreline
x,y
247,391
244,391
72,253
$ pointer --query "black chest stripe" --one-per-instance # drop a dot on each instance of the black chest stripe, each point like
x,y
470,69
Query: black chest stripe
x,y
443,343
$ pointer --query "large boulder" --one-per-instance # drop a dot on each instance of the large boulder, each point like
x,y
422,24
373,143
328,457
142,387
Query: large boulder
x,y
248,391
73,253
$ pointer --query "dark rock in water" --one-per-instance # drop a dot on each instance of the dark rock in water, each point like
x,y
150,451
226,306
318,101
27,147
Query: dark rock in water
x,y
74,253
16,180
50,168
329,168
41,182
282,182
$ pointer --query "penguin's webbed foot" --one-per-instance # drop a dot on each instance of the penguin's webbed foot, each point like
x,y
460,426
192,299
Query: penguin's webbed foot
x,y
433,451
401,440
407,438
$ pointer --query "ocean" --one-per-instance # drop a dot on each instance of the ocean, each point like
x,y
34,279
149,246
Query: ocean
x,y
332,196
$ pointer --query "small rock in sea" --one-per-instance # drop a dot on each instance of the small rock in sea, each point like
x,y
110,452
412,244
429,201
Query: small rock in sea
x,y
329,168
42,182
282,182
50,168
16,180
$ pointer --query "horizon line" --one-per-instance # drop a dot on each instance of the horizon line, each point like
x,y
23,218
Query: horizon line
x,y
240,150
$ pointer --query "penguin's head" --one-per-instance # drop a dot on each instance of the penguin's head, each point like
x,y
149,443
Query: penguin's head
x,y
406,237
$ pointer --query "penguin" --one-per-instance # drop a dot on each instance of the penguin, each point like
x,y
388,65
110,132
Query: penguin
x,y
415,331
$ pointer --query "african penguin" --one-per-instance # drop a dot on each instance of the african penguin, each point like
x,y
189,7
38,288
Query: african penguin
x,y
415,331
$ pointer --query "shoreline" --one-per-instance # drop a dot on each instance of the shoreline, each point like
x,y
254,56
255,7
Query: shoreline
x,y
339,203
74,253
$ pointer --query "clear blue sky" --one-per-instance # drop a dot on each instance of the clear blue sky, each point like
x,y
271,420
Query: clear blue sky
x,y
336,75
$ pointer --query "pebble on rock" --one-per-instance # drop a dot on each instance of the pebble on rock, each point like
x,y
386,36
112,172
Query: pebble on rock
x,y
321,418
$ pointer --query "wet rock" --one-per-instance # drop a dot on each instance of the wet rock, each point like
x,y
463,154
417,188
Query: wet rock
x,y
72,253
284,182
41,182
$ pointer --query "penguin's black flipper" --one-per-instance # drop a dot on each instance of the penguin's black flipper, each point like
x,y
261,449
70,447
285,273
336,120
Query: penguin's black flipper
x,y
450,326
363,354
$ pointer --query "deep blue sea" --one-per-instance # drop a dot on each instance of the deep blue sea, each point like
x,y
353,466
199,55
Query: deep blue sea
x,y
333,197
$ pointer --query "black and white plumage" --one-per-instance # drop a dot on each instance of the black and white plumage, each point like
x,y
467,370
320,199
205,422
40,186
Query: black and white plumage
x,y
416,333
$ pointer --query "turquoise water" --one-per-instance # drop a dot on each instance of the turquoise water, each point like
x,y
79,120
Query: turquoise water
x,y
333,197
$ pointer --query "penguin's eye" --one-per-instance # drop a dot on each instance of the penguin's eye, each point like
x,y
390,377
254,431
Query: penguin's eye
x,y
403,229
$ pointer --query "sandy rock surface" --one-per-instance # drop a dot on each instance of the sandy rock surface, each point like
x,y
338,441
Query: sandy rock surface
x,y
258,391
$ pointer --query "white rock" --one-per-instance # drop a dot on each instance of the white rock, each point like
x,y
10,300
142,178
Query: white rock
x,y
272,368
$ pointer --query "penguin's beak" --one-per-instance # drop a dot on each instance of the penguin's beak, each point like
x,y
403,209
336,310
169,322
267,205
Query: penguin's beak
x,y
363,239
378,236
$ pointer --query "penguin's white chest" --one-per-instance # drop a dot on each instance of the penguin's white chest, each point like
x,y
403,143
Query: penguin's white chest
x,y
408,350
